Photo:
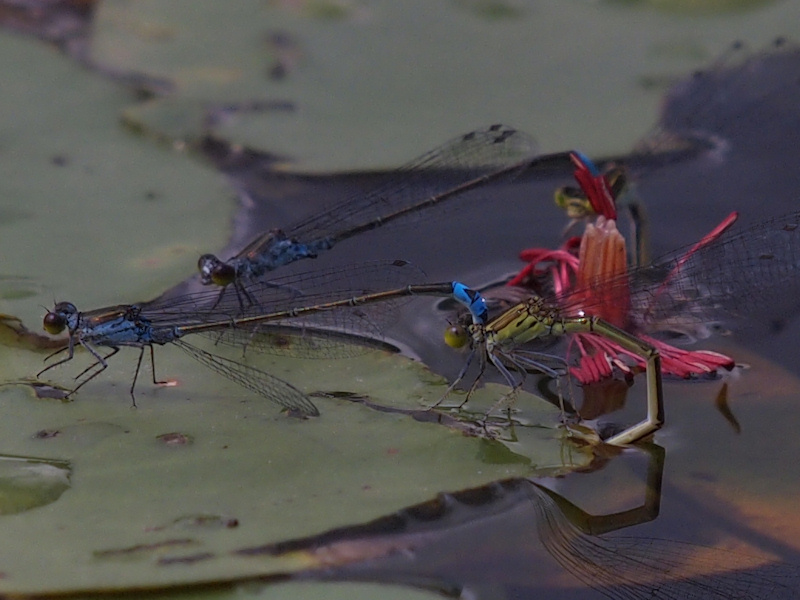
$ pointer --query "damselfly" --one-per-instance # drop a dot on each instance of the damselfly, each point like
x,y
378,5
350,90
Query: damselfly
x,y
500,342
689,294
456,169
168,321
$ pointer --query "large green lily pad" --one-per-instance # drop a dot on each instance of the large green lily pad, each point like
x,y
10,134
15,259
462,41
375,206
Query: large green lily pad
x,y
90,213
163,493
372,84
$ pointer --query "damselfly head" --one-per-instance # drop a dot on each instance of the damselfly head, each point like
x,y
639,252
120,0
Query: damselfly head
x,y
56,320
214,271
456,336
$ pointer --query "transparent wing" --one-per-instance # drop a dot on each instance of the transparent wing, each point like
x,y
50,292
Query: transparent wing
x,y
493,149
255,380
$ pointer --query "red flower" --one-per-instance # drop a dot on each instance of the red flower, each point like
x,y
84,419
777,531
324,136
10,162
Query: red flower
x,y
580,282
594,185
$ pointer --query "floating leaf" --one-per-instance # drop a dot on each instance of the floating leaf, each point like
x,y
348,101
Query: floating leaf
x,y
26,483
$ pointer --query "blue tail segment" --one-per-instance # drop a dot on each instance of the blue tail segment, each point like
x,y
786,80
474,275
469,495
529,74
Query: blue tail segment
x,y
474,302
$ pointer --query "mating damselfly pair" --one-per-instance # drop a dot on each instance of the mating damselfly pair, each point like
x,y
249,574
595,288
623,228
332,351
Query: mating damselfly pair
x,y
457,169
691,288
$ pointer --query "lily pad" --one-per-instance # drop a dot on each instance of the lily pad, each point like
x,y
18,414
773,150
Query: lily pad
x,y
155,489
693,7
83,196
383,81
203,452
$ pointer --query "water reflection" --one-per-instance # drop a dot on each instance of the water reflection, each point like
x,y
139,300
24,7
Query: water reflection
x,y
407,547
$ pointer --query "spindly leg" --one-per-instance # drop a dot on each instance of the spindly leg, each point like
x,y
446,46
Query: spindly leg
x,y
70,352
219,297
138,367
508,398
70,349
478,377
459,378
101,360
152,368
244,297
524,362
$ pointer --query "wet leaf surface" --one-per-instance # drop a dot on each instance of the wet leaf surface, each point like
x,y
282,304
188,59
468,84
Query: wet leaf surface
x,y
28,483
159,473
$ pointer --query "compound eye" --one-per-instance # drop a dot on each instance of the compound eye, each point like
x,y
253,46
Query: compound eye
x,y
206,265
54,322
65,308
223,274
213,270
456,336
